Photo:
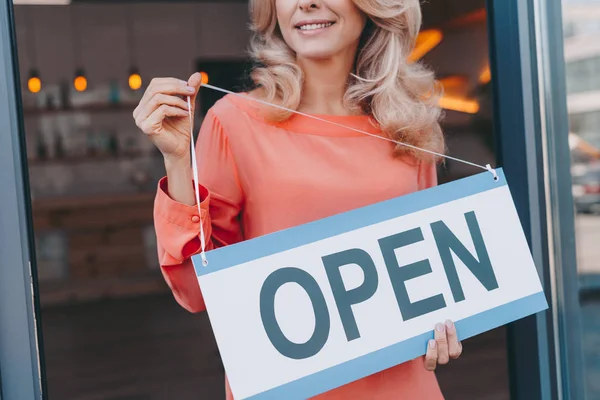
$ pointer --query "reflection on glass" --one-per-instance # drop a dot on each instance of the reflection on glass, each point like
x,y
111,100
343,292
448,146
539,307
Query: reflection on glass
x,y
581,23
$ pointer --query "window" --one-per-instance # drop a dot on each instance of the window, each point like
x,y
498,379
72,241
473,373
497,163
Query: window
x,y
582,75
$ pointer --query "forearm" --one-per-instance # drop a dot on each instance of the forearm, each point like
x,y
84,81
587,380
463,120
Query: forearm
x,y
179,180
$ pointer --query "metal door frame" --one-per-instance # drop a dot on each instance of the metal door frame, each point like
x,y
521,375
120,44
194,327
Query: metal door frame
x,y
531,124
21,375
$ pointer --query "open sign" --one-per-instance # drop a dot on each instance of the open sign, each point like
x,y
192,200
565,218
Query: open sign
x,y
304,310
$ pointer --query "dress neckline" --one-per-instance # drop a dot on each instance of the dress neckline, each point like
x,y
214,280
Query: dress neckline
x,y
304,124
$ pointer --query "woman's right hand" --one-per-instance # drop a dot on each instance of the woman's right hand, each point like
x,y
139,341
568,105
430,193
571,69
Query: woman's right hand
x,y
163,115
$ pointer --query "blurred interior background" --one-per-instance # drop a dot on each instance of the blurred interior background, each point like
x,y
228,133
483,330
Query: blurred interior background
x,y
111,329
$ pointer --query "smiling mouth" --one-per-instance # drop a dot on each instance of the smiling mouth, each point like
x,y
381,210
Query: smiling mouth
x,y
313,27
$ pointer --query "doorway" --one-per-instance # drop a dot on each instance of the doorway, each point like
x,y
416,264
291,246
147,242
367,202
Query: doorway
x,y
110,326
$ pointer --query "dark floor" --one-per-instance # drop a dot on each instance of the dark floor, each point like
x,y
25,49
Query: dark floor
x,y
150,348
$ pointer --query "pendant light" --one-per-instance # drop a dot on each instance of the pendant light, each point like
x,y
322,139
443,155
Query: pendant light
x,y
34,82
203,77
135,78
80,82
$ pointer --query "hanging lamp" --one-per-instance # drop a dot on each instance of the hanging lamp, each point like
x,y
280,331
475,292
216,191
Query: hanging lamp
x,y
80,81
34,81
135,78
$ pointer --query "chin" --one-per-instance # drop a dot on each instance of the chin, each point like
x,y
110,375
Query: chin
x,y
316,54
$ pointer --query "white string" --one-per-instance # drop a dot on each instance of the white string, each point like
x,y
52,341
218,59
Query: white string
x,y
196,183
486,167
195,164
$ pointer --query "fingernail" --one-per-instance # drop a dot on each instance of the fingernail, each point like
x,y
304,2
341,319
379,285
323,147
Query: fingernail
x,y
439,327
432,344
449,324
190,89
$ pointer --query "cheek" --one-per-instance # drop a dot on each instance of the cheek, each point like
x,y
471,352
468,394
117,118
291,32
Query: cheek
x,y
354,27
359,21
284,10
355,19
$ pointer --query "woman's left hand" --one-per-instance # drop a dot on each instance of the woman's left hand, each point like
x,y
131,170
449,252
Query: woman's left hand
x,y
444,347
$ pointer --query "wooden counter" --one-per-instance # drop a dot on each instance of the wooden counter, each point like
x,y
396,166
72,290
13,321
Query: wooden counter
x,y
107,248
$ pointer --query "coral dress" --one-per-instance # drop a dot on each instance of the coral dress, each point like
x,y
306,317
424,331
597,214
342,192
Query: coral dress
x,y
258,177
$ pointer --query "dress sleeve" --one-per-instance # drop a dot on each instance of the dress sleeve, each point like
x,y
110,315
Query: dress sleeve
x,y
177,225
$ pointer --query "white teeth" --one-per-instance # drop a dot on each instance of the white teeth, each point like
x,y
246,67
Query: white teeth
x,y
311,27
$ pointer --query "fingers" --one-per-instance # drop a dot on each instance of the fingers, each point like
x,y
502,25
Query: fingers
x,y
454,346
155,102
161,92
195,81
442,344
153,124
443,347
168,86
171,86
431,356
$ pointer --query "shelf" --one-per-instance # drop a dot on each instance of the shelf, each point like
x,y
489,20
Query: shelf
x,y
60,203
94,108
70,160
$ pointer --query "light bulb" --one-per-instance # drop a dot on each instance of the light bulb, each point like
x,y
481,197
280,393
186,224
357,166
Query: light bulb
x,y
203,78
34,83
80,82
135,81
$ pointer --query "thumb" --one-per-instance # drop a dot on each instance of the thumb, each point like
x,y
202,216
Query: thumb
x,y
195,82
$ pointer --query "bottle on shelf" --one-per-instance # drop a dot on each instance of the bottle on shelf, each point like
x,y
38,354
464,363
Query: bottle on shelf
x,y
40,148
65,98
59,148
114,97
113,144
91,148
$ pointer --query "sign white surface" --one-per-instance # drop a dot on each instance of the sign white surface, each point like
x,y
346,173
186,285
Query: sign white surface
x,y
302,311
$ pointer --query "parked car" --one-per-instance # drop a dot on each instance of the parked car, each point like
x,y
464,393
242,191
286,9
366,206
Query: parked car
x,y
586,187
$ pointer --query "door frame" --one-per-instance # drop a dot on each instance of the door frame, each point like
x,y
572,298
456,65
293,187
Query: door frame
x,y
531,126
21,374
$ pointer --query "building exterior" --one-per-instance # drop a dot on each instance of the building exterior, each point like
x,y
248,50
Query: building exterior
x,y
582,59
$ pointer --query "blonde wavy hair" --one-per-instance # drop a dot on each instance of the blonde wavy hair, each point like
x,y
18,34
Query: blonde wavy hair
x,y
400,96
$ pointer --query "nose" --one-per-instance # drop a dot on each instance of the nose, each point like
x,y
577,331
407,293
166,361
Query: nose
x,y
307,5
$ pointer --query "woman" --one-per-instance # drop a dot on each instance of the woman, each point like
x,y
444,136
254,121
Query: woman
x,y
262,170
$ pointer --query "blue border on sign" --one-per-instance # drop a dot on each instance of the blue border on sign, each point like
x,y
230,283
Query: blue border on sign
x,y
229,256
349,371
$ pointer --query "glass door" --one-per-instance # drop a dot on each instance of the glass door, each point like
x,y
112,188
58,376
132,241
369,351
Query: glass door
x,y
571,89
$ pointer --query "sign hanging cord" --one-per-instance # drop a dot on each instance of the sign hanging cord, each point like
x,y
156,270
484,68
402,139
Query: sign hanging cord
x,y
195,164
196,183
486,167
